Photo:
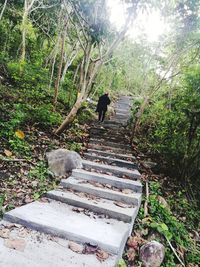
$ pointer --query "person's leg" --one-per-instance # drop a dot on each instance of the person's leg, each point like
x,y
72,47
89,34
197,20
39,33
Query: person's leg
x,y
103,115
100,115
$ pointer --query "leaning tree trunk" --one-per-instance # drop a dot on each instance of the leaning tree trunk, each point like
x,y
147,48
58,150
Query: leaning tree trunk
x,y
71,115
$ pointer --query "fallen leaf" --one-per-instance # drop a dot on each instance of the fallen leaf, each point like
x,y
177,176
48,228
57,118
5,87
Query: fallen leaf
x,y
20,134
131,254
102,255
90,249
7,152
75,247
34,183
127,191
132,242
17,244
122,205
78,210
135,241
108,186
23,233
4,233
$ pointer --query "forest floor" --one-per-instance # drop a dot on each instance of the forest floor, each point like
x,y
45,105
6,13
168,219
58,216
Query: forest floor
x,y
165,213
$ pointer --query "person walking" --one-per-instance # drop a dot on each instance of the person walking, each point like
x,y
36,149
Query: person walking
x,y
103,102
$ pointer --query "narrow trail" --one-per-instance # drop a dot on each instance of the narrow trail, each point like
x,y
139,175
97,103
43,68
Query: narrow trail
x,y
95,207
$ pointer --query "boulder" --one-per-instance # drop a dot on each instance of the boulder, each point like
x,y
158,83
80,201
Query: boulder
x,y
152,254
61,161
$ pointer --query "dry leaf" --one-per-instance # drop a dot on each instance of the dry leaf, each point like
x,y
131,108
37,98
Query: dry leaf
x,y
108,186
20,134
78,210
132,242
122,205
127,191
7,152
4,233
135,241
102,255
23,233
75,247
17,244
131,254
90,249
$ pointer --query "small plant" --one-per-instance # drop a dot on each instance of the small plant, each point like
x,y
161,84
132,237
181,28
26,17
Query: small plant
x,y
162,220
19,146
2,199
121,263
43,178
75,147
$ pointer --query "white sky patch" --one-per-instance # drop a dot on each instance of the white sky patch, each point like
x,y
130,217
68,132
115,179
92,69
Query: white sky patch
x,y
152,25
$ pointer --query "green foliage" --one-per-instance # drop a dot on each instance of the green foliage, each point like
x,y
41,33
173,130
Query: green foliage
x,y
75,146
44,116
162,220
32,75
42,175
19,147
2,199
172,127
121,263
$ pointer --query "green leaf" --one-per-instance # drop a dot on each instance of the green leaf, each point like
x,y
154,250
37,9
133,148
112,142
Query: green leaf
x,y
121,263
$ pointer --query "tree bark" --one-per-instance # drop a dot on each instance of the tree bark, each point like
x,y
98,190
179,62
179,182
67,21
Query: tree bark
x,y
70,117
57,83
139,115
68,62
3,9
24,21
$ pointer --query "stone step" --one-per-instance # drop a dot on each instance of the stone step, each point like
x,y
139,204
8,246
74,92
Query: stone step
x,y
120,183
109,143
113,122
124,106
111,161
110,137
81,185
59,219
95,204
123,115
101,129
109,149
118,171
111,155
124,111
110,134
42,251
109,127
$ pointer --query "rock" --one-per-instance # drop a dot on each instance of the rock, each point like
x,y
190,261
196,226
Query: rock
x,y
152,254
61,161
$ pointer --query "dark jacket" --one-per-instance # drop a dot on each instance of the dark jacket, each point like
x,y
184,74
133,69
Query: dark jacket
x,y
103,102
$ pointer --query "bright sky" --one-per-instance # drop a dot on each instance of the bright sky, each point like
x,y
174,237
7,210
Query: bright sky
x,y
151,24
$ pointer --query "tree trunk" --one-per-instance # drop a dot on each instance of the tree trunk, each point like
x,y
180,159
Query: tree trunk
x,y
24,21
68,63
3,9
139,115
70,117
57,83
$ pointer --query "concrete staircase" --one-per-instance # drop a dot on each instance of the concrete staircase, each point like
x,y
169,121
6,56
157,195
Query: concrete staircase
x,y
96,205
